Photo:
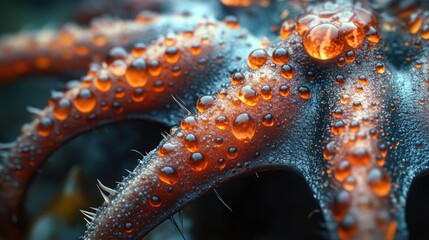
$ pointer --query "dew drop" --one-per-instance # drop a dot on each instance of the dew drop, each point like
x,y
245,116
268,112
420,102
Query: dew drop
x,y
62,109
323,42
304,92
197,162
172,55
191,143
222,122
266,92
155,201
204,103
168,175
45,126
268,120
248,95
137,74
379,182
280,56
85,101
243,127
232,153
287,71
257,58
188,123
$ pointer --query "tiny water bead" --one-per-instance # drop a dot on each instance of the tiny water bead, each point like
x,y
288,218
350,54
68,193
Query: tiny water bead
x,y
155,201
188,123
222,122
62,109
379,181
191,143
248,95
304,92
136,74
268,120
168,175
243,127
166,149
280,56
45,126
287,71
204,103
172,55
197,161
103,82
85,101
237,78
257,58
128,229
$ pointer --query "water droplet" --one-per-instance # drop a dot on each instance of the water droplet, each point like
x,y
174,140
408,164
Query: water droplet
x,y
138,49
232,153
137,74
379,182
287,71
172,55
286,29
103,82
257,58
323,42
191,143
188,123
266,92
280,56
195,49
197,162
304,92
168,175
138,95
284,90
338,127
45,126
155,68
268,120
237,78
204,103
222,122
341,205
360,156
380,68
165,149
232,22
342,170
118,68
348,227
85,101
155,201
243,127
62,109
248,95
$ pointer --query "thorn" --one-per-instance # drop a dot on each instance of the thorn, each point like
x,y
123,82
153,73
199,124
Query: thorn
x,y
106,198
173,221
257,175
164,135
128,171
107,189
87,214
221,200
35,111
181,104
138,152
87,221
94,208
7,145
